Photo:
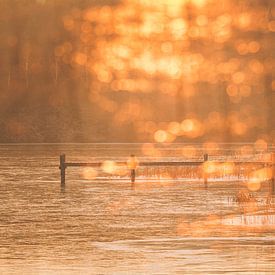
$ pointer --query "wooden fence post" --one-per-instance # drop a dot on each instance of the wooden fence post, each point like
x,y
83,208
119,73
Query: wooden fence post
x,y
133,175
205,175
132,165
62,168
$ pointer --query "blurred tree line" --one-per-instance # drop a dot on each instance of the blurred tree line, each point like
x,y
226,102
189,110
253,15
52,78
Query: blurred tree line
x,y
45,100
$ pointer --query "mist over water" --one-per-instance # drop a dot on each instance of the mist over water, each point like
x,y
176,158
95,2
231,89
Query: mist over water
x,y
104,226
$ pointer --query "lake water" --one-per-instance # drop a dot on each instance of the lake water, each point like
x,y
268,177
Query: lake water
x,y
104,226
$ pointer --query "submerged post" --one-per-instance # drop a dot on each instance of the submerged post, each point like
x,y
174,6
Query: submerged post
x,y
132,165
62,168
205,176
133,175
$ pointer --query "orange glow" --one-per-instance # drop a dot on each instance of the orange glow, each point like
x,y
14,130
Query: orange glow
x,y
209,167
254,46
149,149
256,66
257,177
187,125
132,162
149,48
109,166
254,186
239,128
160,136
187,86
178,27
68,23
202,20
232,90
174,127
227,168
238,77
80,58
261,175
131,59
271,26
261,144
192,128
89,173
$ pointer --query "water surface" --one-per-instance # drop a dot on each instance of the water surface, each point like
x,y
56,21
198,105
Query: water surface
x,y
111,227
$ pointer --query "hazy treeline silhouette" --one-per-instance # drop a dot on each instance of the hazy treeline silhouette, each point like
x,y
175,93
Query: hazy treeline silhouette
x,y
94,71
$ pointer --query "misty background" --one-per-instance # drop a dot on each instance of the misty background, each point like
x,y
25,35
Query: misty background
x,y
136,71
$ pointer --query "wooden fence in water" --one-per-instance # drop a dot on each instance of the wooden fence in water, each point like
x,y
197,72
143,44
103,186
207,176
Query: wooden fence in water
x,y
133,164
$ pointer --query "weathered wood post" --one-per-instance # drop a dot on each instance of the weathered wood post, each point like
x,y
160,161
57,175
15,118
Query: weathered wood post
x,y
62,168
272,182
205,175
133,175
132,165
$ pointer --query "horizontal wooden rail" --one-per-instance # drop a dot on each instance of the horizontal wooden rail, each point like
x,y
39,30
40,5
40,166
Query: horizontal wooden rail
x,y
163,163
149,163
90,164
